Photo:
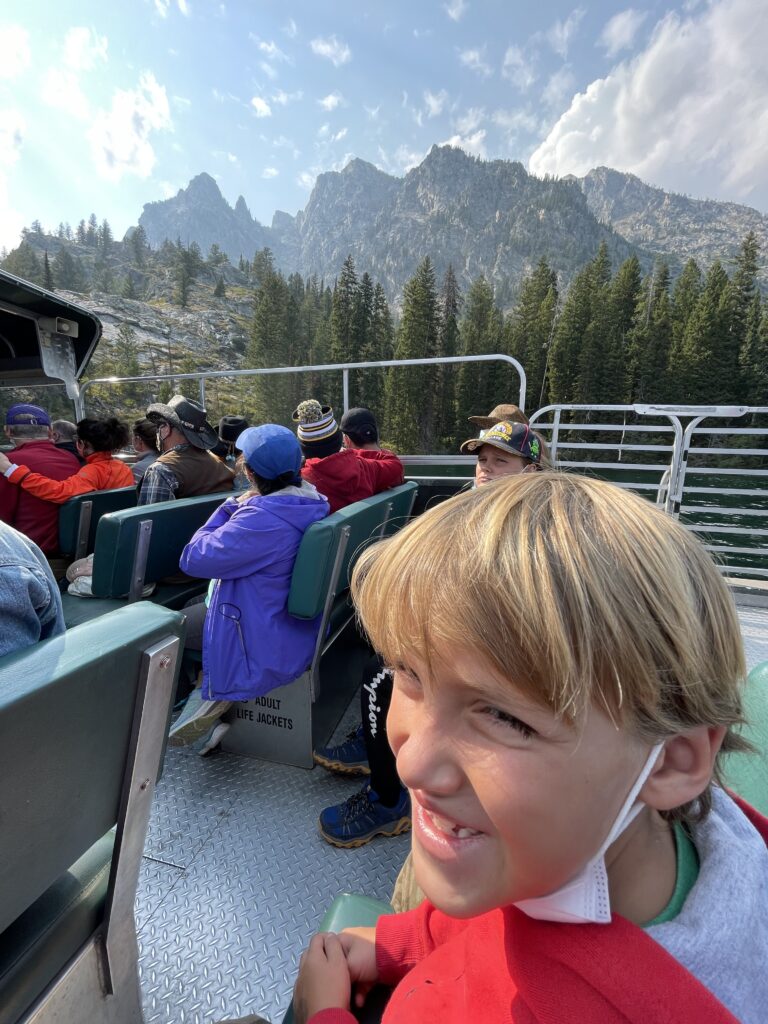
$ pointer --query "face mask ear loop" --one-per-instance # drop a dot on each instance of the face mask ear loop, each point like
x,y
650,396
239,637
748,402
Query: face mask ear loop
x,y
629,809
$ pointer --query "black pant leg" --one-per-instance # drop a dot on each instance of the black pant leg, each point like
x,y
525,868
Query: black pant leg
x,y
375,698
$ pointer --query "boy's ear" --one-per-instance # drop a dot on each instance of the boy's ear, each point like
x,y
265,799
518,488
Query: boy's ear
x,y
684,769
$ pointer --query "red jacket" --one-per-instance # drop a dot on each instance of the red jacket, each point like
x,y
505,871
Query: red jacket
x,y
36,518
507,968
353,474
101,472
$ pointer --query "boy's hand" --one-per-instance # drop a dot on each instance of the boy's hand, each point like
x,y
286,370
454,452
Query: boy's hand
x,y
359,945
323,982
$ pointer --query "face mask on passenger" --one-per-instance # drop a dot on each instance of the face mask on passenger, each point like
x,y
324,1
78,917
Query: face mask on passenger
x,y
585,899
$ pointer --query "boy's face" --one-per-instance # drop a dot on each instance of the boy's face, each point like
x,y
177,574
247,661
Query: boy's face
x,y
509,802
493,463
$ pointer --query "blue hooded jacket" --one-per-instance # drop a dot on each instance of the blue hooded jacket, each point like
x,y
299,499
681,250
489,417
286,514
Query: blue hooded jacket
x,y
250,643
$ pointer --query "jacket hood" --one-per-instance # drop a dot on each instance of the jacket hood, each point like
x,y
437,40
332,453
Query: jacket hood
x,y
721,934
341,472
297,506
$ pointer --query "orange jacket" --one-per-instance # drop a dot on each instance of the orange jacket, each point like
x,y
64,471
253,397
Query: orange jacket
x,y
100,473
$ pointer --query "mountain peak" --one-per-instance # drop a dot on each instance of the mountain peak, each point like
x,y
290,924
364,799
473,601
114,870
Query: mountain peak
x,y
203,186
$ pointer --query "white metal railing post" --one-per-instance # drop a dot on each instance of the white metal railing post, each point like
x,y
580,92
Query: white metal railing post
x,y
202,391
345,388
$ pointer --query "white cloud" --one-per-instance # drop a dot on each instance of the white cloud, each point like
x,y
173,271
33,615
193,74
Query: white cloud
x,y
560,34
406,159
340,134
333,49
559,88
83,49
272,50
162,7
12,127
61,90
515,122
261,107
167,190
183,7
323,131
470,121
268,70
435,102
306,180
331,101
120,137
270,172
475,61
455,9
283,98
15,53
372,113
290,28
690,112
518,68
619,33
474,143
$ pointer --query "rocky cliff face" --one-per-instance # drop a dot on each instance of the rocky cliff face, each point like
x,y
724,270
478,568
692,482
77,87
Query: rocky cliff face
x,y
200,213
490,218
668,223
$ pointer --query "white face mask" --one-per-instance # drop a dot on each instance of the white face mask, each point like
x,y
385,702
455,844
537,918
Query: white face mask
x,y
585,898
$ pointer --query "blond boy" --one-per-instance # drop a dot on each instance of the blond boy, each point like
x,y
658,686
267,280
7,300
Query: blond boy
x,y
568,670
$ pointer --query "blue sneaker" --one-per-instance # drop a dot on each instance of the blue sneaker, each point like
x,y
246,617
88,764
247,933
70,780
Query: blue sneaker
x,y
358,820
348,758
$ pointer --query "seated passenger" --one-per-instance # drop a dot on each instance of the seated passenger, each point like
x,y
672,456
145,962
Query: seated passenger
x,y
144,441
96,441
230,428
64,436
30,602
382,807
29,429
185,467
248,547
342,475
568,673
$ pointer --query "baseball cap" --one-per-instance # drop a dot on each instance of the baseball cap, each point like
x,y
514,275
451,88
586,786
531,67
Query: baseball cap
x,y
515,438
23,415
361,423
270,450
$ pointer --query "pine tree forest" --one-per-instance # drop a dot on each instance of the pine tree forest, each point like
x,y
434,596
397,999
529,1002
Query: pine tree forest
x,y
613,336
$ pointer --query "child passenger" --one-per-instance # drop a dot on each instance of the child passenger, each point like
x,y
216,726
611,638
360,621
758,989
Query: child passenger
x,y
568,673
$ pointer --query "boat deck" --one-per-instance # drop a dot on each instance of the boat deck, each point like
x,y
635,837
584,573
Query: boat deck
x,y
235,877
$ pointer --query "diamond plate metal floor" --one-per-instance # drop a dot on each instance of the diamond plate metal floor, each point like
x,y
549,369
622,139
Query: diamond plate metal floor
x,y
235,877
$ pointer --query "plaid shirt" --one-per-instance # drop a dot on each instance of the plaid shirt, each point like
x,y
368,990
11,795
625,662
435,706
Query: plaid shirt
x,y
160,482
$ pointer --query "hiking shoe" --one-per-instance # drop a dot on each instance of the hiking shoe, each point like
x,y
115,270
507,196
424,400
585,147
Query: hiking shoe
x,y
358,820
348,758
198,717
217,734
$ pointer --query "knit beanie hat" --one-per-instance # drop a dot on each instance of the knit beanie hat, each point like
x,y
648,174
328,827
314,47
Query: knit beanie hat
x,y
318,431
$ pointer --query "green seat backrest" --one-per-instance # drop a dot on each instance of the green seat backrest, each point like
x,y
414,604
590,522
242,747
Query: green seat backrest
x,y
173,523
66,718
102,502
747,774
314,562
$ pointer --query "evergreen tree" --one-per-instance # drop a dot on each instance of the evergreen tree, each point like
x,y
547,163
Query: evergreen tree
x,y
528,329
345,303
410,391
275,322
23,262
186,266
685,297
448,344
138,245
753,358
81,234
377,327
650,339
263,266
481,386
105,238
129,288
220,291
569,332
216,258
48,281
92,231
68,271
103,278
700,359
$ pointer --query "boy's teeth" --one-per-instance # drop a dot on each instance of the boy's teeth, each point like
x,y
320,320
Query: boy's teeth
x,y
451,829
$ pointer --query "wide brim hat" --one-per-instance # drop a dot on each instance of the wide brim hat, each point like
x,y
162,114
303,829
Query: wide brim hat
x,y
514,438
187,416
231,427
512,413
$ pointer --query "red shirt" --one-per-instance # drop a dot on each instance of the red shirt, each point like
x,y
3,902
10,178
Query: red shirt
x,y
353,474
33,516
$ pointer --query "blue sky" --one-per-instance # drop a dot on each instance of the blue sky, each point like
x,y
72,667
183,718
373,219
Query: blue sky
x,y
106,107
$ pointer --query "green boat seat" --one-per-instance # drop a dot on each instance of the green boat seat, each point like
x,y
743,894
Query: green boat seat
x,y
83,721
79,517
142,545
747,774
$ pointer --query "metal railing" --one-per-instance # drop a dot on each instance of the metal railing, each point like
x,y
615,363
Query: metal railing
x,y
344,368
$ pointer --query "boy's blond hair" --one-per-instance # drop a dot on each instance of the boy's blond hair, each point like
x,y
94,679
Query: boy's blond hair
x,y
575,590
